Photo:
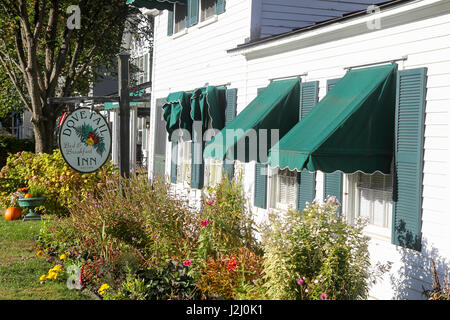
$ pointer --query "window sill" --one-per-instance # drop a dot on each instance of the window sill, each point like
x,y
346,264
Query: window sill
x,y
179,34
378,233
208,21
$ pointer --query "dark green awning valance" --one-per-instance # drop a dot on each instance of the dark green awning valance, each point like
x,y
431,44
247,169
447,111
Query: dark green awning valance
x,y
276,107
208,106
350,129
177,112
156,4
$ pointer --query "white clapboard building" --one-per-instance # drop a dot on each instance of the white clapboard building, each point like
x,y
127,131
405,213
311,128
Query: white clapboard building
x,y
359,95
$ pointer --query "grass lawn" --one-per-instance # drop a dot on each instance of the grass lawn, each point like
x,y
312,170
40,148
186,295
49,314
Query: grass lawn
x,y
20,268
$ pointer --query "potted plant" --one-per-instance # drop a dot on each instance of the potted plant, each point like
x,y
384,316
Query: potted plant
x,y
14,212
34,198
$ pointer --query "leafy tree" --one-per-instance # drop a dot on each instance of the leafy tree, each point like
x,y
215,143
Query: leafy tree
x,y
45,56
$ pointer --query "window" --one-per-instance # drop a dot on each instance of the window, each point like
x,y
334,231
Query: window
x,y
184,162
285,189
184,16
207,9
370,197
213,172
180,17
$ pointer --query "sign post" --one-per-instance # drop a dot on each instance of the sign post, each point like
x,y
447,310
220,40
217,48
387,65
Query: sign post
x,y
124,114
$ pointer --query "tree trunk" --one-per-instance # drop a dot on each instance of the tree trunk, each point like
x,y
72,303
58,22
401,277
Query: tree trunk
x,y
44,134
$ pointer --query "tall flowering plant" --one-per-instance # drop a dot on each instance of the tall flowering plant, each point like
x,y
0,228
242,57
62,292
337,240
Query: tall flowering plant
x,y
315,255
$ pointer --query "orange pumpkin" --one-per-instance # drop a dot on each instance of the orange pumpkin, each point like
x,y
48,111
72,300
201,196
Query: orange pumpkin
x,y
13,213
28,195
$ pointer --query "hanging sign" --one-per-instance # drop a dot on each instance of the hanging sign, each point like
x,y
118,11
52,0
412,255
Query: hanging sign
x,y
85,140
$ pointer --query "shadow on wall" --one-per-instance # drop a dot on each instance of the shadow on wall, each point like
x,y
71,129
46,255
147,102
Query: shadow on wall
x,y
415,274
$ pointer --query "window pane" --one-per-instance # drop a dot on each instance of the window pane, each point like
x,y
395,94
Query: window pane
x,y
208,9
287,189
180,17
375,198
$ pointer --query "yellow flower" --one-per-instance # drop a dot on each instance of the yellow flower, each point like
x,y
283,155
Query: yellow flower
x,y
62,257
43,277
56,268
103,288
40,253
52,275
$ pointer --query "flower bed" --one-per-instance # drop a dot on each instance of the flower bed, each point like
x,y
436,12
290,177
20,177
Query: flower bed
x,y
132,240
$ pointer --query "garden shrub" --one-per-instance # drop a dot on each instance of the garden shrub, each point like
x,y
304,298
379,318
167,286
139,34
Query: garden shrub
x,y
132,220
51,173
315,255
9,144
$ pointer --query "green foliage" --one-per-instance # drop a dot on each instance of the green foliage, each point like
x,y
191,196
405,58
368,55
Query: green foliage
x,y
172,281
9,144
37,190
233,276
315,255
49,173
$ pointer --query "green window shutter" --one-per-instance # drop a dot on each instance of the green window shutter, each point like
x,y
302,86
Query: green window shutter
x,y
306,181
408,157
170,22
192,12
309,94
306,191
230,114
174,162
260,200
230,111
220,6
331,83
332,186
198,166
332,183
260,186
159,152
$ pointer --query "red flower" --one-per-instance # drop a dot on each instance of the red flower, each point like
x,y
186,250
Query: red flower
x,y
209,202
232,265
205,222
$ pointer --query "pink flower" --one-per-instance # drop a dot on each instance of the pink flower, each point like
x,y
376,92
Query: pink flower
x,y
323,296
205,222
187,262
300,282
209,202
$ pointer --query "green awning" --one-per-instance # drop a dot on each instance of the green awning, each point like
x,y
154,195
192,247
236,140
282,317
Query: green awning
x,y
276,107
177,112
112,105
208,106
156,4
351,129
